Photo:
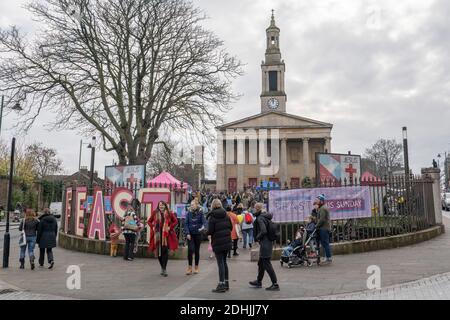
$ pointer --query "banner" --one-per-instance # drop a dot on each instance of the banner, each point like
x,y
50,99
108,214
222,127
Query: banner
x,y
123,175
343,202
333,166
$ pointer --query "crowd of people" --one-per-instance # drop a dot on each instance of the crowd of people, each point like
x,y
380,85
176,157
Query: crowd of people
x,y
223,218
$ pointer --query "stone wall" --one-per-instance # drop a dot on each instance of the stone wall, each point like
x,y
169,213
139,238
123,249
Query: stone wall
x,y
85,245
360,246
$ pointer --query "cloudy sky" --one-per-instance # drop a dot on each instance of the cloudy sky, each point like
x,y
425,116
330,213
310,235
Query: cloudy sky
x,y
368,67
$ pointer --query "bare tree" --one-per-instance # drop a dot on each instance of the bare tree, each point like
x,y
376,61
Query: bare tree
x,y
387,155
45,160
123,68
170,157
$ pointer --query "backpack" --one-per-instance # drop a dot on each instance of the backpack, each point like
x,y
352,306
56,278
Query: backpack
x,y
248,218
273,232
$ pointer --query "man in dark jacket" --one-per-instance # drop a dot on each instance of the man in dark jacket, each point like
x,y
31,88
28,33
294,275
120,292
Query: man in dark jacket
x,y
46,237
219,228
260,229
195,222
323,226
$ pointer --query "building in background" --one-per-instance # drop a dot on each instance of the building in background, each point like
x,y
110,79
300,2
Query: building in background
x,y
298,141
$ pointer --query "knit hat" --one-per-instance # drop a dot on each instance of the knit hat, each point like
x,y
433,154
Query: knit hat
x,y
321,197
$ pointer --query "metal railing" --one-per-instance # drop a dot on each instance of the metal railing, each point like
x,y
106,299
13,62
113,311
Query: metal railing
x,y
399,206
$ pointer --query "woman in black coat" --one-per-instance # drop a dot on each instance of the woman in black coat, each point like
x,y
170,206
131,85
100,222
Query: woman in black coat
x,y
219,228
46,237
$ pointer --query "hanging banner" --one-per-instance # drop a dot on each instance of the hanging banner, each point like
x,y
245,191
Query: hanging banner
x,y
343,202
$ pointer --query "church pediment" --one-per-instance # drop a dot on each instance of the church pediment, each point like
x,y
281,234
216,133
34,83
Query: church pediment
x,y
275,120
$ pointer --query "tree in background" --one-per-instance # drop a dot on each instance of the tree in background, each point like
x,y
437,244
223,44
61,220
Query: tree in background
x,y
171,158
44,159
126,69
387,156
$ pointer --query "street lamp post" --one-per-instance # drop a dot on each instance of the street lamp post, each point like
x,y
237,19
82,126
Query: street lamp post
x,y
405,152
92,147
6,240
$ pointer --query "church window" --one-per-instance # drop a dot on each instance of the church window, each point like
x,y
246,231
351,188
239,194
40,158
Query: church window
x,y
273,81
273,40
295,154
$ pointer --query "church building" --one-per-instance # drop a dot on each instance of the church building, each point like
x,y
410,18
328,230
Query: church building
x,y
298,141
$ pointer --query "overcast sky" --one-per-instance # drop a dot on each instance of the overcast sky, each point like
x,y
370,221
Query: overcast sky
x,y
368,67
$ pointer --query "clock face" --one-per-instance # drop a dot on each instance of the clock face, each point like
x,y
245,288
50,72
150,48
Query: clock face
x,y
273,103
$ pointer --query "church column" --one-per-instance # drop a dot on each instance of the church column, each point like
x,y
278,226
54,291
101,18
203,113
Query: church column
x,y
283,162
306,157
328,144
241,161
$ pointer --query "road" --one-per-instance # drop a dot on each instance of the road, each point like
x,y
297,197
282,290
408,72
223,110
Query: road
x,y
14,235
403,276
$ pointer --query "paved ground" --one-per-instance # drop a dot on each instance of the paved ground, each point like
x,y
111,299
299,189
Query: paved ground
x,y
419,271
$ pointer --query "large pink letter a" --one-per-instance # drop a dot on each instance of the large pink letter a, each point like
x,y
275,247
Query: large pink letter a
x,y
97,219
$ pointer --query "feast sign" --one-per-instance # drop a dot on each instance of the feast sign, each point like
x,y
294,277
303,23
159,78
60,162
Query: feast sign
x,y
297,204
100,205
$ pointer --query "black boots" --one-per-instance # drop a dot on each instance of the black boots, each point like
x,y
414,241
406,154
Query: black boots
x,y
220,288
273,287
52,263
32,263
227,285
22,263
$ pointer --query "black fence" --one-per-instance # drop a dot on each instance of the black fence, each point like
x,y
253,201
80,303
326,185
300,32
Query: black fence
x,y
399,205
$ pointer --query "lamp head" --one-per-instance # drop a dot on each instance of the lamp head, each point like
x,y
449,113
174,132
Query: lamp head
x,y
405,133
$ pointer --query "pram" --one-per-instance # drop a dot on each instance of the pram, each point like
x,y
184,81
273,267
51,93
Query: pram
x,y
301,252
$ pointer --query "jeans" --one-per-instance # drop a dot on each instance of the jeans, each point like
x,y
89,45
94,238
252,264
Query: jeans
x,y
324,236
31,242
129,245
164,257
42,255
221,258
194,248
247,233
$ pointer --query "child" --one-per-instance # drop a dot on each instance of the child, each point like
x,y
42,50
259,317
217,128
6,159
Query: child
x,y
291,246
114,233
310,227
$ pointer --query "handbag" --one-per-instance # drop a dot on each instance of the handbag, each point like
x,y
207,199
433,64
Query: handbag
x,y
23,236
239,231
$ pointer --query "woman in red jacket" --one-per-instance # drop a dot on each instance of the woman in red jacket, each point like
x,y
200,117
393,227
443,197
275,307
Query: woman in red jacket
x,y
163,238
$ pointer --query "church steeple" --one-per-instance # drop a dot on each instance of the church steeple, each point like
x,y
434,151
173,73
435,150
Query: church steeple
x,y
273,97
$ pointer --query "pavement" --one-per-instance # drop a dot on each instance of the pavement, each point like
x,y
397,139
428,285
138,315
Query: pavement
x,y
420,271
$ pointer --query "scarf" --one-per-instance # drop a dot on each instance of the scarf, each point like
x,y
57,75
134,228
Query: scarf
x,y
164,229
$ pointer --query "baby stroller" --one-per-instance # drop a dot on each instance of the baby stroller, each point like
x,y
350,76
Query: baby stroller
x,y
301,252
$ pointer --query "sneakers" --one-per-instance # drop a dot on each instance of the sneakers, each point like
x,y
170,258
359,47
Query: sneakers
x,y
326,261
51,265
196,270
255,284
189,271
235,254
273,287
220,288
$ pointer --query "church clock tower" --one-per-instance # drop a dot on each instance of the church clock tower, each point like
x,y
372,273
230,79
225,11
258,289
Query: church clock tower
x,y
273,97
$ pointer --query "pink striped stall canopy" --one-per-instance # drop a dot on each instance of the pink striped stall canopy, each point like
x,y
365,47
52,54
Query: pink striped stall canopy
x,y
166,180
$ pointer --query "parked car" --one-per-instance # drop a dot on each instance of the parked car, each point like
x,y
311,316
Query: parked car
x,y
446,201
16,216
56,209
